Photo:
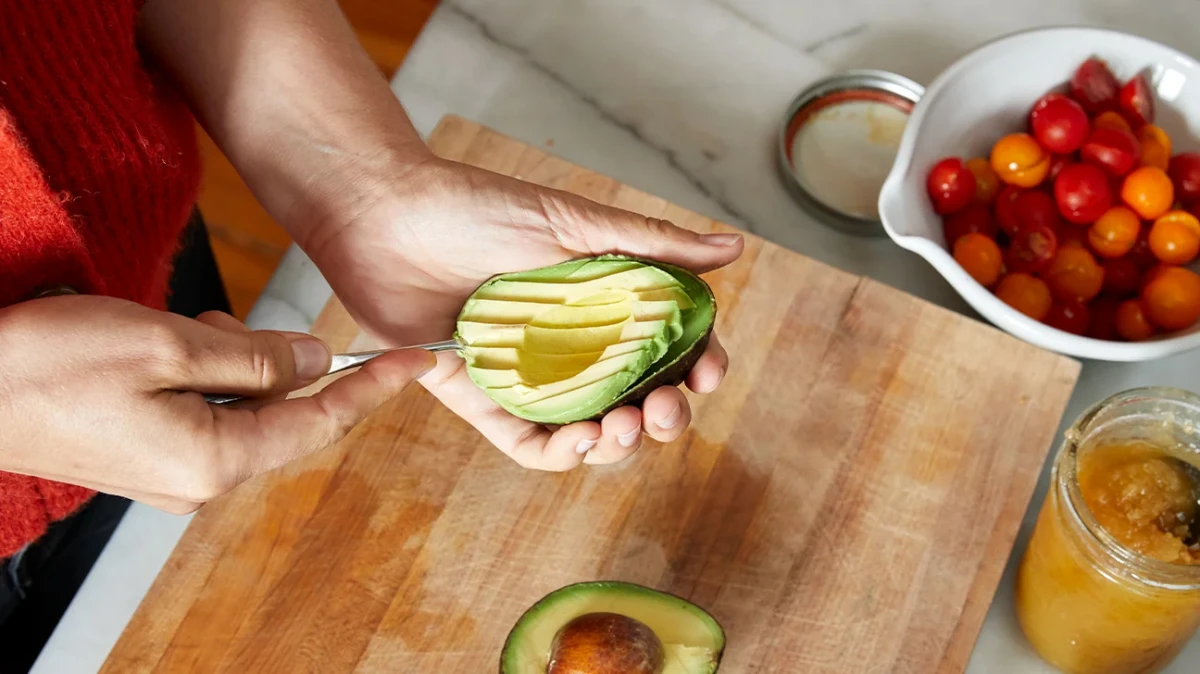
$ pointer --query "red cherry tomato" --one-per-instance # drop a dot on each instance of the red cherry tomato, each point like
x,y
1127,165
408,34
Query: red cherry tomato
x,y
1083,193
1071,235
1137,104
1122,278
1184,170
1113,150
1069,317
974,219
1036,209
1095,86
951,185
1103,315
1032,248
1059,123
1006,213
1141,255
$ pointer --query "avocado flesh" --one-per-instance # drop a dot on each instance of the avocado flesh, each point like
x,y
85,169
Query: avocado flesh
x,y
567,342
693,641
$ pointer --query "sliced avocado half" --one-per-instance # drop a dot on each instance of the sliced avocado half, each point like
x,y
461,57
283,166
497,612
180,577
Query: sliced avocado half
x,y
692,641
575,340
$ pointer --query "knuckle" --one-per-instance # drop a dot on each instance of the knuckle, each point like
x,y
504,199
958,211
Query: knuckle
x,y
266,368
171,351
208,478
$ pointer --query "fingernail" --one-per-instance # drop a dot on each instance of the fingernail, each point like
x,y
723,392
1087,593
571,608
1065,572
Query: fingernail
x,y
627,439
432,363
720,239
584,445
671,419
312,358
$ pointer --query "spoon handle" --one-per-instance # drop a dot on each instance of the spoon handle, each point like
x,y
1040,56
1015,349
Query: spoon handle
x,y
345,361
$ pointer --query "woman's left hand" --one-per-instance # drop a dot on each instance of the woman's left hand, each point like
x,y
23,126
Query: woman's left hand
x,y
403,249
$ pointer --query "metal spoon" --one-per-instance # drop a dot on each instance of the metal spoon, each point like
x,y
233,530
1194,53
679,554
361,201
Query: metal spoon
x,y
345,361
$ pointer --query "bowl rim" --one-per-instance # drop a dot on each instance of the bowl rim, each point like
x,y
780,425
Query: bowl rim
x,y
975,294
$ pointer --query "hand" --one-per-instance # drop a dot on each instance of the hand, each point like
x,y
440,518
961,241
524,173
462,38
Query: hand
x,y
404,249
101,393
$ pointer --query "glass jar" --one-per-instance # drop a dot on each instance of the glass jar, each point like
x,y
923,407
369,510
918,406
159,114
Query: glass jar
x,y
1087,602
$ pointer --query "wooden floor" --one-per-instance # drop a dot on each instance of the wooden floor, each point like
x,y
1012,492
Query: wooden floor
x,y
247,242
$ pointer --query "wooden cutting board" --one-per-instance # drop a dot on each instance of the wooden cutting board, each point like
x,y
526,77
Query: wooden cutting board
x,y
846,502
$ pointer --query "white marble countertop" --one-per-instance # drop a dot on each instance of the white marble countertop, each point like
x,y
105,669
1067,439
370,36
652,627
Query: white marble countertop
x,y
679,98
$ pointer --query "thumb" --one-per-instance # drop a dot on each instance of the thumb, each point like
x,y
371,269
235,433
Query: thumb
x,y
613,230
220,360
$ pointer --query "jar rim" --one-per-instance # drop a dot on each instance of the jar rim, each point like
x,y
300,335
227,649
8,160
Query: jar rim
x,y
1146,569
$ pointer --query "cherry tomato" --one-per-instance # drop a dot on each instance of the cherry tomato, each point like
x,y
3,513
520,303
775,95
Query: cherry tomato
x,y
1019,160
1137,104
1172,299
1155,147
1149,192
1141,254
1122,277
987,183
1095,86
1115,232
1131,321
1059,123
1058,162
1114,151
1074,276
979,256
1069,317
1036,208
1103,315
1006,213
973,218
1083,193
951,185
1025,293
1031,250
1174,240
1151,274
1184,171
1111,120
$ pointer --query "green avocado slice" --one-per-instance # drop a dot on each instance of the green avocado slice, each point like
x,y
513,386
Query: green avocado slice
x,y
574,340
693,642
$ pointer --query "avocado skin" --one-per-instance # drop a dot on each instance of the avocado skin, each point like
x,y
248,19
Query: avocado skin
x,y
602,584
669,374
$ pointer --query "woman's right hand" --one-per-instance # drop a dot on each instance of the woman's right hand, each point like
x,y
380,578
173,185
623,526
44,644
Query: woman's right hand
x,y
107,394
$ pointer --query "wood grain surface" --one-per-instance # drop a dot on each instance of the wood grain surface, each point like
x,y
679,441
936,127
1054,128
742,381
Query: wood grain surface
x,y
845,502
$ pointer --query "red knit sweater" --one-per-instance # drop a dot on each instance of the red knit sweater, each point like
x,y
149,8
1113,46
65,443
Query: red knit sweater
x,y
98,174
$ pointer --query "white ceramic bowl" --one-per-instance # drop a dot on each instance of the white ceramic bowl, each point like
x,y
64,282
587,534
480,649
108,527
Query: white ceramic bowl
x,y
987,94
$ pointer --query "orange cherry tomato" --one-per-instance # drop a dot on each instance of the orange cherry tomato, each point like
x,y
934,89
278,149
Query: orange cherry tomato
x,y
987,183
1174,237
1074,275
1131,321
979,256
1025,293
1115,232
1111,120
1019,160
1148,191
1172,299
1156,147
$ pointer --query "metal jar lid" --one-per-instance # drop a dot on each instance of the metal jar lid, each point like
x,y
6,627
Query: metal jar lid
x,y
838,141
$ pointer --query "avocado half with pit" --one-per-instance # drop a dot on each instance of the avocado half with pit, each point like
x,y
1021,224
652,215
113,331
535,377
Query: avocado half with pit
x,y
609,627
575,340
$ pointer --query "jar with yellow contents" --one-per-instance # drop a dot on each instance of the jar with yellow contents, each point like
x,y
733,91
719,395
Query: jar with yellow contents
x,y
1110,581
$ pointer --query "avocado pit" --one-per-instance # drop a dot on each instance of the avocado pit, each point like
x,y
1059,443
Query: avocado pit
x,y
605,643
